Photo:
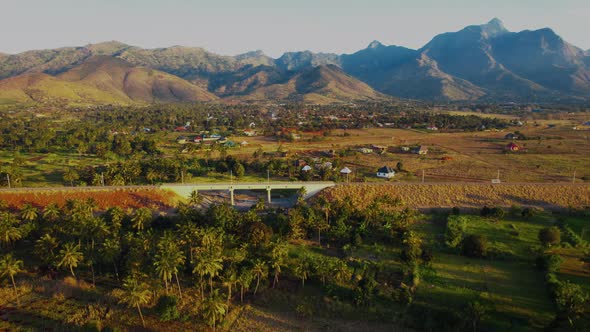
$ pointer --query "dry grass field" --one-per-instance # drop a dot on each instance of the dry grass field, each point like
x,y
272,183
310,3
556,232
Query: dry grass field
x,y
552,153
467,195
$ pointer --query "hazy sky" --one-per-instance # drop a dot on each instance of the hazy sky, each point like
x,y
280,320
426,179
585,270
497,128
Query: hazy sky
x,y
274,26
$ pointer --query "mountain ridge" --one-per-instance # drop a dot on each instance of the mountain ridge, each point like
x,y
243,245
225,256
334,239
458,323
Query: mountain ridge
x,y
487,62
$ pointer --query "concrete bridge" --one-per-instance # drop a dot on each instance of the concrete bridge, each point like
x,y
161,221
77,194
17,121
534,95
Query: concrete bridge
x,y
184,190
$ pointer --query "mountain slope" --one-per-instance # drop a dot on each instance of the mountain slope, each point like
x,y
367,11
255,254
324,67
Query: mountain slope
x,y
486,62
296,61
368,64
545,58
467,54
102,80
321,84
421,78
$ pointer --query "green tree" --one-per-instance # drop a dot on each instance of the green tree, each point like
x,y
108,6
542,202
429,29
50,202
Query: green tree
x,y
303,269
168,259
142,216
475,246
10,267
245,280
550,236
455,230
278,255
571,300
51,212
9,230
260,271
45,248
28,212
70,175
135,294
71,256
475,312
195,198
214,309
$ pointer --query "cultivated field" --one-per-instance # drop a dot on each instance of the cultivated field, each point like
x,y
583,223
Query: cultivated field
x,y
468,195
103,198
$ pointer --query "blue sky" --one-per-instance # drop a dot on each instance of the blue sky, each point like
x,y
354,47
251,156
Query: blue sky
x,y
274,26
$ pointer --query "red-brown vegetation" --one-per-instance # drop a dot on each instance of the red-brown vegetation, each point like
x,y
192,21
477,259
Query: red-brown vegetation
x,y
124,198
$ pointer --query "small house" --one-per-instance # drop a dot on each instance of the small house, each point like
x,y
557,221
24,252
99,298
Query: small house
x,y
365,150
513,147
422,150
250,132
405,149
306,168
432,128
385,172
300,163
511,136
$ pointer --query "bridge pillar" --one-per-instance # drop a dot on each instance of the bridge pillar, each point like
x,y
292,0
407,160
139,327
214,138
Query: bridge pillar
x,y
231,196
268,194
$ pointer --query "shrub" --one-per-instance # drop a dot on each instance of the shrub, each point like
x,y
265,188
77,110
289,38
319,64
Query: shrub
x,y
456,226
497,213
166,308
569,236
549,263
528,212
550,236
485,211
475,246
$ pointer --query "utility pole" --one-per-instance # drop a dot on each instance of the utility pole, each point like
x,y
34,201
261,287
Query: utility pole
x,y
422,176
182,176
574,178
498,175
102,179
8,179
268,176
231,176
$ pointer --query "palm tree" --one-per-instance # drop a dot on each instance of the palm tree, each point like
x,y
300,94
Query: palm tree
x,y
277,255
45,246
115,217
260,270
28,212
229,280
135,294
195,198
341,272
302,269
167,260
110,251
51,212
9,233
245,280
71,256
95,228
214,309
141,217
11,267
212,267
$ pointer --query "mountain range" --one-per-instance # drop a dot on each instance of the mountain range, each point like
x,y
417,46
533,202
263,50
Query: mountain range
x,y
478,63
